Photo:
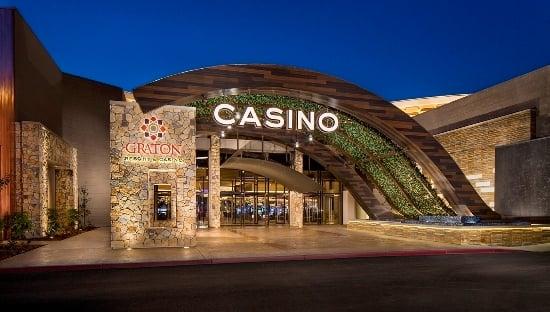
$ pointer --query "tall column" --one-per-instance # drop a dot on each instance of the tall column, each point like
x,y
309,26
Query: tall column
x,y
214,213
297,199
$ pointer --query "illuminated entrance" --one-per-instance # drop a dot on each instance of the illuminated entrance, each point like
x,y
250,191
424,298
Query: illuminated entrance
x,y
247,198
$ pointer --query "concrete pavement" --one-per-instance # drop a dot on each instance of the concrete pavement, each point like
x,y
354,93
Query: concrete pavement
x,y
226,245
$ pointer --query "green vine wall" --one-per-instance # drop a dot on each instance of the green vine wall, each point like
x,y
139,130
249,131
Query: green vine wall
x,y
380,159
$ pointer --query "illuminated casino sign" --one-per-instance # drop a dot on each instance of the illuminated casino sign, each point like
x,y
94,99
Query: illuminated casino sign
x,y
226,115
151,148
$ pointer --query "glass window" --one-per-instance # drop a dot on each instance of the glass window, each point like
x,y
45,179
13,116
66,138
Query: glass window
x,y
163,201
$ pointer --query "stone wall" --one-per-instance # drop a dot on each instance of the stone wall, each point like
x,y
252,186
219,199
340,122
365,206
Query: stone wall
x,y
38,150
214,212
473,148
64,189
523,179
135,171
459,235
297,199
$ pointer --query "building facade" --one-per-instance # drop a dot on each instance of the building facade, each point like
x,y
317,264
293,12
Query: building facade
x,y
260,145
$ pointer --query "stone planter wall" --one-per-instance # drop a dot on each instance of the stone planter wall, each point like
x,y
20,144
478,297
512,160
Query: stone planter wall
x,y
459,235
135,171
39,150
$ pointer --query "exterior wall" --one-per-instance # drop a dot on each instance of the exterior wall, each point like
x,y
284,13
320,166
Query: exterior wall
x,y
523,179
132,179
418,106
37,150
473,148
529,91
7,110
74,108
38,80
86,127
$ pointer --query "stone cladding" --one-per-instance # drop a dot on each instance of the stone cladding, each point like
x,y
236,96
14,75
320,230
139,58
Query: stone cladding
x,y
459,235
134,175
297,199
39,151
473,148
214,212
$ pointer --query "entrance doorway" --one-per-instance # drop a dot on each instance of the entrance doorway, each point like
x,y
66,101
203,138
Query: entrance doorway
x,y
250,199
254,200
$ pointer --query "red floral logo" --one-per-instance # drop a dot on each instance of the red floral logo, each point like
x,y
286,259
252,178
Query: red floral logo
x,y
153,128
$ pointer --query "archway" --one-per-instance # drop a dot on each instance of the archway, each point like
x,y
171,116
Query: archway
x,y
379,142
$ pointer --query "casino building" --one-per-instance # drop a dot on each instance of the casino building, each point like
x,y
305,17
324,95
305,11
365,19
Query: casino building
x,y
260,145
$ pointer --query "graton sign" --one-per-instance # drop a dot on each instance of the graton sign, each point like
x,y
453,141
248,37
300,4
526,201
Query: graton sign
x,y
150,149
276,118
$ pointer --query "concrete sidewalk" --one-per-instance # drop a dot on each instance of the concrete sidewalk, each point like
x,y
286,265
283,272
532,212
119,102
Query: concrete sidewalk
x,y
228,245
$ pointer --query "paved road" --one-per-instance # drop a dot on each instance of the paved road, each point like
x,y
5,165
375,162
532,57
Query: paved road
x,y
490,282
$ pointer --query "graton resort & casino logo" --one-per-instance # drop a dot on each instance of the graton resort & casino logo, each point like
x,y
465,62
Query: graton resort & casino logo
x,y
153,128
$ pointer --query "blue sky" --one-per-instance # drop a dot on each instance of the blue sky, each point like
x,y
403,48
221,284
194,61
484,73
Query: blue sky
x,y
396,49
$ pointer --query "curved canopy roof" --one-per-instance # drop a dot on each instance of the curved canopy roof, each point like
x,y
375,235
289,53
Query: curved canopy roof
x,y
293,180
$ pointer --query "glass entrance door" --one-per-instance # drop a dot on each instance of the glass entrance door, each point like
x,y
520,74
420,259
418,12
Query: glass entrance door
x,y
249,199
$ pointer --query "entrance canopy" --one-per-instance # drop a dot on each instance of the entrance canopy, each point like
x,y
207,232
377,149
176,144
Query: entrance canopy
x,y
291,179
377,142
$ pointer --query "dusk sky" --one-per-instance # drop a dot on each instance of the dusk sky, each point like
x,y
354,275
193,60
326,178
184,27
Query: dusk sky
x,y
396,49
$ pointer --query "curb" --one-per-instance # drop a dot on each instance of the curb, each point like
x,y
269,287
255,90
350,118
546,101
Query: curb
x,y
213,261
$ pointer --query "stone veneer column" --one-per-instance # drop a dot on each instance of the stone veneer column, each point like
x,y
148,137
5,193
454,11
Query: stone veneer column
x,y
297,199
135,172
214,213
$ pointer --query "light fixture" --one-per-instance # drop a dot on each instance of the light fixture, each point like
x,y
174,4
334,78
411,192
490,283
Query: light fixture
x,y
237,115
310,138
222,134
297,144
202,157
229,127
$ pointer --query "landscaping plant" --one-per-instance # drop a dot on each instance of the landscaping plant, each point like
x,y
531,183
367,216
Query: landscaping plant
x,y
19,223
83,210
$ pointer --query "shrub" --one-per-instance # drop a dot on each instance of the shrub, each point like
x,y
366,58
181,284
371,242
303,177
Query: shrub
x,y
83,211
72,219
19,223
56,221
